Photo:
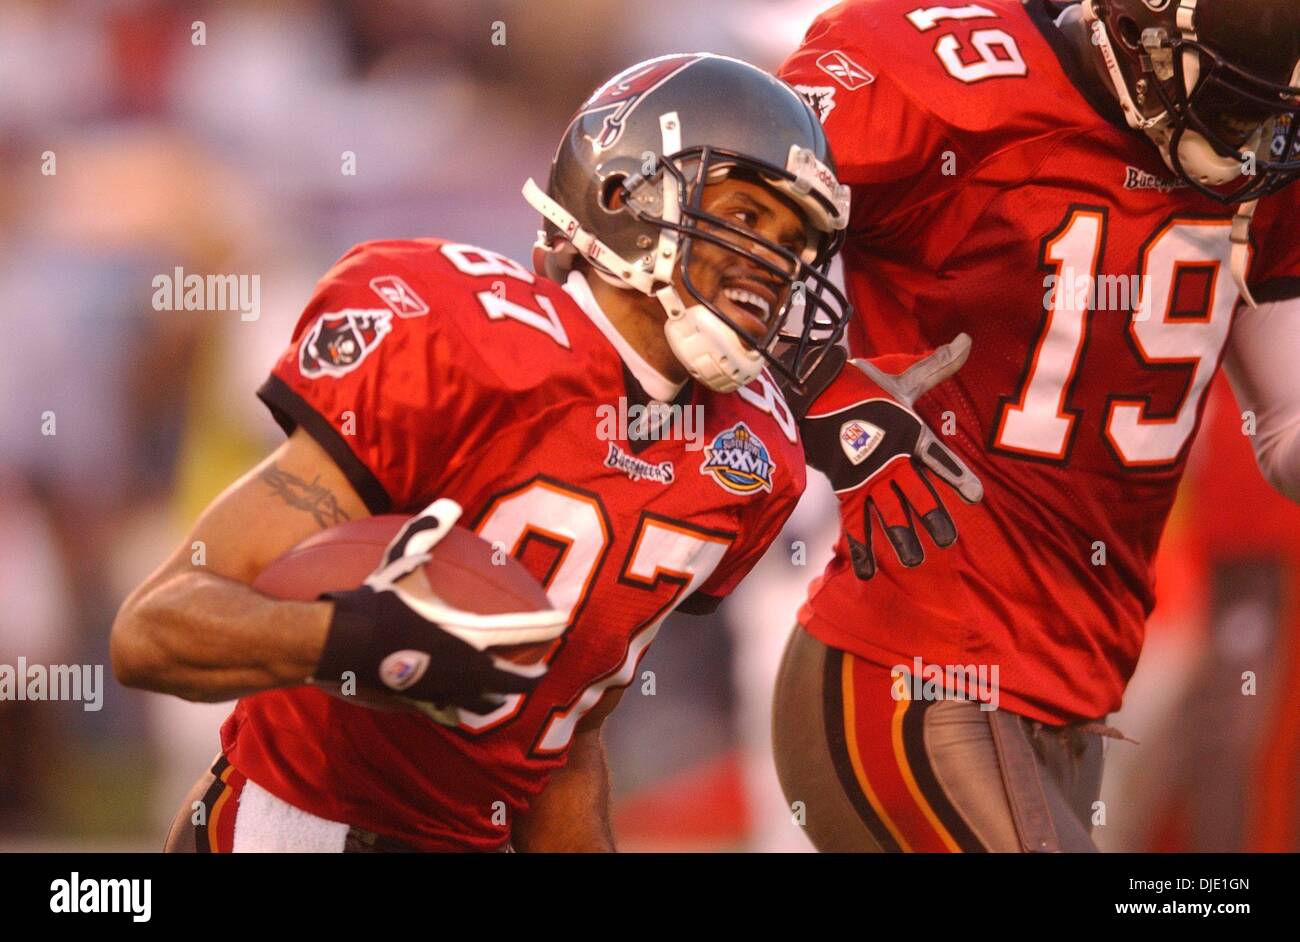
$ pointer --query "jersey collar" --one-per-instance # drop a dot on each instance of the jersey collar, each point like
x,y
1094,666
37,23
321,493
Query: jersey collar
x,y
657,386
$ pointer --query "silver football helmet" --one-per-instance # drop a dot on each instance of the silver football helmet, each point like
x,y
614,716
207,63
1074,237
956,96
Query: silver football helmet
x,y
653,136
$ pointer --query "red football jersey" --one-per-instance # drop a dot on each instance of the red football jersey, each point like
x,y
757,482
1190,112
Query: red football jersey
x,y
995,192
430,369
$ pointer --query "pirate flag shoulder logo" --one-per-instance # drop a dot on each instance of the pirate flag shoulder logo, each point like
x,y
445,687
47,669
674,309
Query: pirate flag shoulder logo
x,y
338,342
739,461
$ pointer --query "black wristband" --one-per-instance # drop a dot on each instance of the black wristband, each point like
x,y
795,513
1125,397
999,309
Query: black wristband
x,y
389,647
348,643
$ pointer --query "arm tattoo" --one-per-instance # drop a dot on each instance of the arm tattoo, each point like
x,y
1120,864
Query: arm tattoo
x,y
313,497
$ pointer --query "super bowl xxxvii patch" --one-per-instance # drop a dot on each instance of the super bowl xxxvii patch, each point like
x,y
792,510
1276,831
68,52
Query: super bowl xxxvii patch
x,y
338,342
739,461
859,439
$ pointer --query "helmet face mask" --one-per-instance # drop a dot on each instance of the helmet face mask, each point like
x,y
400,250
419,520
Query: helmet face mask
x,y
627,194
1216,122
1221,93
803,285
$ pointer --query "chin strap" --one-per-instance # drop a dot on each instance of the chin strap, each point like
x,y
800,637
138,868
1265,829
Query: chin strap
x,y
1101,39
709,350
585,243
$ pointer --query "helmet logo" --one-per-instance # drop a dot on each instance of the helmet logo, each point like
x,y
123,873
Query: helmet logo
x,y
619,96
612,128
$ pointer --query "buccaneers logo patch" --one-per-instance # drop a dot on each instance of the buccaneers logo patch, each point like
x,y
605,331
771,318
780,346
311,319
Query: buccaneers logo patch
x,y
739,461
338,342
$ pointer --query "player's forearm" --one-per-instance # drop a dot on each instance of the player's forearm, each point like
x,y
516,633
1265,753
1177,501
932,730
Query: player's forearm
x,y
571,815
1279,459
203,637
1260,365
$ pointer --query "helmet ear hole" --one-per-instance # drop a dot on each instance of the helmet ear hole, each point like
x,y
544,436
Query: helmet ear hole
x,y
1130,34
611,194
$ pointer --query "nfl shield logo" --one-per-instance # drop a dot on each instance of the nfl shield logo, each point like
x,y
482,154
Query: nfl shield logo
x,y
859,439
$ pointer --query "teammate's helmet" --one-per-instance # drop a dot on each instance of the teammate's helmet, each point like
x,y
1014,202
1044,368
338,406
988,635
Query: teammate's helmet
x,y
1214,84
653,136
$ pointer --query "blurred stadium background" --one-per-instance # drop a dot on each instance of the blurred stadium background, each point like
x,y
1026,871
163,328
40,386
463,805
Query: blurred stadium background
x,y
226,157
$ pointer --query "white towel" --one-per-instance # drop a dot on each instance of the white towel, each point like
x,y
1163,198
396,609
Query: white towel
x,y
265,824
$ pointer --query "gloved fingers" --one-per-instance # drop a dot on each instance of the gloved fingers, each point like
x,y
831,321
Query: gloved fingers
x,y
949,468
498,678
929,508
907,478
509,677
483,705
448,714
489,681
419,536
441,713
895,519
856,523
483,632
941,365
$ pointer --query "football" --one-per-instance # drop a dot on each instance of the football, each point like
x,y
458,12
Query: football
x,y
465,571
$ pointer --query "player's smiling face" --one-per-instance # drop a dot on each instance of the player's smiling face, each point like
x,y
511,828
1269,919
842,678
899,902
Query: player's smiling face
x,y
747,293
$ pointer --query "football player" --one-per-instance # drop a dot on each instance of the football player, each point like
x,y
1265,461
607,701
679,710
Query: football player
x,y
1096,193
692,207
